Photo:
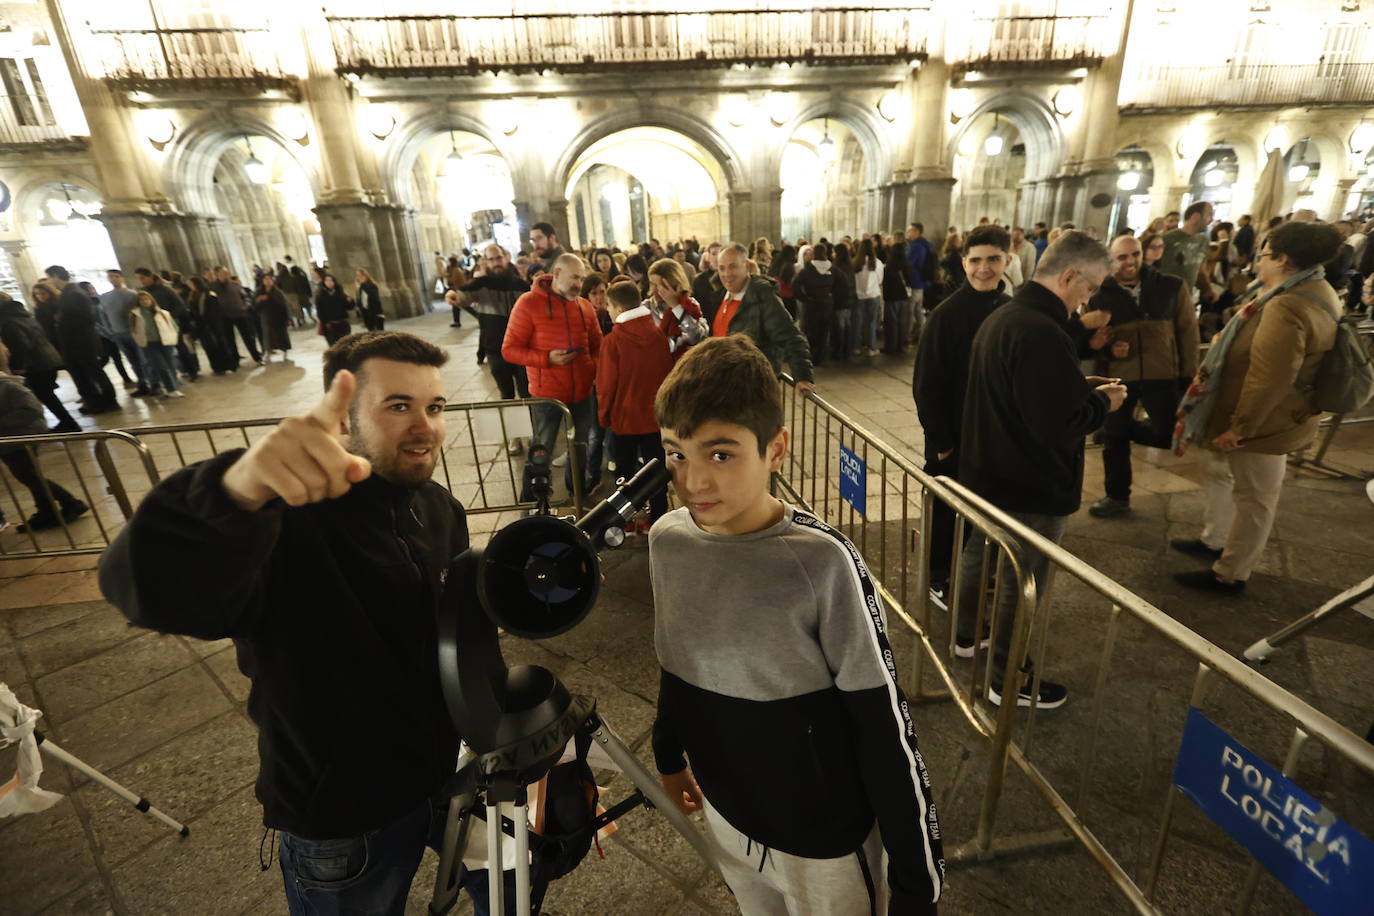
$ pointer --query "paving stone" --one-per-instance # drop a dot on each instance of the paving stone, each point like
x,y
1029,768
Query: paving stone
x,y
85,637
124,668
91,900
225,665
28,621
57,588
54,855
140,721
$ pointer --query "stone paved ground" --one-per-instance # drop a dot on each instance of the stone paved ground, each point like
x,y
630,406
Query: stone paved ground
x,y
165,714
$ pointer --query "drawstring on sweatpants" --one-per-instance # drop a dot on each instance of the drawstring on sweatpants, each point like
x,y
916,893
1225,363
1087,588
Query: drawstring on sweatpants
x,y
265,864
749,849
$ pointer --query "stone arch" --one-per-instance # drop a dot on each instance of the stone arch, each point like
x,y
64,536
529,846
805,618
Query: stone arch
x,y
650,115
1033,117
863,122
398,159
189,169
36,181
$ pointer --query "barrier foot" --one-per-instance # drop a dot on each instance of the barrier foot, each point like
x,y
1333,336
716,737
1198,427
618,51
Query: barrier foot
x,y
932,696
968,854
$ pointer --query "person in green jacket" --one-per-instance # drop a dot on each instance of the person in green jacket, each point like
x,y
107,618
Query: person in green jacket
x,y
751,306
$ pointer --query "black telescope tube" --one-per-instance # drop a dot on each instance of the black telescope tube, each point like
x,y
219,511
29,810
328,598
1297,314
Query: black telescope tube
x,y
616,510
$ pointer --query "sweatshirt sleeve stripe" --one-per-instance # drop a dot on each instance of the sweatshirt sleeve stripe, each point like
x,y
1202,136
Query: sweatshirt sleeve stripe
x,y
900,708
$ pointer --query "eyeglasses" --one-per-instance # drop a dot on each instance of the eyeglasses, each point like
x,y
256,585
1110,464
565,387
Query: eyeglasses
x,y
1264,254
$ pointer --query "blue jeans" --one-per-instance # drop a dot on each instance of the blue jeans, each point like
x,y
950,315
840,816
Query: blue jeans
x,y
546,421
370,875
159,369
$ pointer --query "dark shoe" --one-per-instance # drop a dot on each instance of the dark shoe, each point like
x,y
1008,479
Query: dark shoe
x,y
1195,547
101,408
43,521
965,649
1106,507
939,595
1207,581
1052,695
69,427
141,392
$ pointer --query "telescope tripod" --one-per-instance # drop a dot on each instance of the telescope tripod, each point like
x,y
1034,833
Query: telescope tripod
x,y
489,789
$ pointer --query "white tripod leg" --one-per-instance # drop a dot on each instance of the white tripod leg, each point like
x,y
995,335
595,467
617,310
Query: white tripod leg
x,y
496,878
522,856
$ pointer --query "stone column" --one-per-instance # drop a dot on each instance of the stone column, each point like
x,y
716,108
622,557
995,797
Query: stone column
x,y
375,237
931,183
1340,200
26,272
932,200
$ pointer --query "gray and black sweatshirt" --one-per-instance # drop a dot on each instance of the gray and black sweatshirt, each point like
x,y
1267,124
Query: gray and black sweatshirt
x,y
778,684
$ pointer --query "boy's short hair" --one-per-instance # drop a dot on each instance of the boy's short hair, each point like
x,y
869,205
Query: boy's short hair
x,y
624,294
352,351
727,379
995,236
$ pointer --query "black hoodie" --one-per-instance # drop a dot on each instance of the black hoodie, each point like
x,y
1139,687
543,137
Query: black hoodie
x,y
332,607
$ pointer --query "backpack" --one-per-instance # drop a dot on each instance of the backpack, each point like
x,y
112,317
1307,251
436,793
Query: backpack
x,y
1345,377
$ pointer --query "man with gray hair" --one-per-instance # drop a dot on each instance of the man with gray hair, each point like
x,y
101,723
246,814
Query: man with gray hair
x,y
1026,412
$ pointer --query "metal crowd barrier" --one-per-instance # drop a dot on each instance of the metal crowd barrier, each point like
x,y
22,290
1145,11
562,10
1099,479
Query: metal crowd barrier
x,y
475,465
1107,644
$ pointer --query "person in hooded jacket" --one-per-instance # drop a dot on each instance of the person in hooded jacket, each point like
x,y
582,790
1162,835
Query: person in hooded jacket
x,y
33,356
270,302
814,288
635,359
332,306
553,333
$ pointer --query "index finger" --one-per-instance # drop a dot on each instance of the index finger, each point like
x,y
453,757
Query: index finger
x,y
333,409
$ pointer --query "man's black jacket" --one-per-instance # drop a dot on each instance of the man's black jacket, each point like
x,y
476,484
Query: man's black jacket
x,y
1027,408
332,607
939,379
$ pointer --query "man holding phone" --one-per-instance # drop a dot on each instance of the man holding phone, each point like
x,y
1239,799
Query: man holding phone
x,y
554,333
1153,348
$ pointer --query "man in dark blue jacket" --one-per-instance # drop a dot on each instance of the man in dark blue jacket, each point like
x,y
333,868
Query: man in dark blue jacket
x,y
1026,412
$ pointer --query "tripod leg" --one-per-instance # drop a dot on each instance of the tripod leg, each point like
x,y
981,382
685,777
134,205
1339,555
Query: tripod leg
x,y
451,854
496,877
137,801
522,855
652,789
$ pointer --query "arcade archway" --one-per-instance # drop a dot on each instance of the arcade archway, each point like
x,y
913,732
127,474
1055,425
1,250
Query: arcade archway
x,y
463,193
65,228
822,175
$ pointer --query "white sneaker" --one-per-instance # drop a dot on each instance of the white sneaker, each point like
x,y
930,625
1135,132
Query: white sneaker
x,y
560,460
176,394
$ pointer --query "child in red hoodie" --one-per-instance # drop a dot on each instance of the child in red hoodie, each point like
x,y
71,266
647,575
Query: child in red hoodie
x,y
635,359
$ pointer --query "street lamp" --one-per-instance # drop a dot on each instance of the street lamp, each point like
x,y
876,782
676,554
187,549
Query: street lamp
x,y
255,168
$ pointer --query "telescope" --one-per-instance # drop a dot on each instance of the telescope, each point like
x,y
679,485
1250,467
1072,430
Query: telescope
x,y
537,577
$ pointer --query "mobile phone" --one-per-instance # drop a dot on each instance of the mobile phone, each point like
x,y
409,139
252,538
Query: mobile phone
x,y
576,349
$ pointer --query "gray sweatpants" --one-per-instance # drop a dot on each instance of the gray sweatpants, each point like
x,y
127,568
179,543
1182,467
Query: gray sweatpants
x,y
772,883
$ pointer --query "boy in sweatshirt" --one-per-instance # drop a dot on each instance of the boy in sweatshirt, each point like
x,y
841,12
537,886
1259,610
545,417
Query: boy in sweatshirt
x,y
635,359
777,685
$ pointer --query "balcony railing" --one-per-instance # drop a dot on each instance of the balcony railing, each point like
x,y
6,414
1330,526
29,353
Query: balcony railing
x,y
1251,85
1011,42
568,42
149,57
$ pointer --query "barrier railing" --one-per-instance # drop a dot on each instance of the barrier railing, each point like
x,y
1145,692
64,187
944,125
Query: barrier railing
x,y
475,465
1112,648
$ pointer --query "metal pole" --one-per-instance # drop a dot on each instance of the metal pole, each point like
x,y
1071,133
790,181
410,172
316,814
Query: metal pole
x,y
496,876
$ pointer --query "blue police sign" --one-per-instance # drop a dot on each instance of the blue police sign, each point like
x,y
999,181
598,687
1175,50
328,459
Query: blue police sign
x,y
1320,858
853,480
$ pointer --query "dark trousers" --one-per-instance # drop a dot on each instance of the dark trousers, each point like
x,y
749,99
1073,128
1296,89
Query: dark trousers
x,y
335,331
372,873
892,325
1160,400
112,353
21,465
547,419
630,452
942,522
42,383
510,377
816,321
132,352
248,329
186,356
91,382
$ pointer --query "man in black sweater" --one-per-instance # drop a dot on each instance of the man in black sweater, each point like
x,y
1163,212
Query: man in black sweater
x,y
940,377
322,551
1026,412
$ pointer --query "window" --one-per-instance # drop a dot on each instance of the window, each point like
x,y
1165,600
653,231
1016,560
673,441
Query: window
x,y
1339,47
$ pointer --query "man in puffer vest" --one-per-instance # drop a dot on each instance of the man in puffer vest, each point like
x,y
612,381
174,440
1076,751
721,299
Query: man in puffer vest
x,y
1153,348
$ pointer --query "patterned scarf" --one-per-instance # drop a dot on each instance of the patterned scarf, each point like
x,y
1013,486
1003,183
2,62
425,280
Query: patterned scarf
x,y
1201,397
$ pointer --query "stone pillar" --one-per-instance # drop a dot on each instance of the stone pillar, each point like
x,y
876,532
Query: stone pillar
x,y
375,238
557,213
26,272
931,202
1340,200
136,238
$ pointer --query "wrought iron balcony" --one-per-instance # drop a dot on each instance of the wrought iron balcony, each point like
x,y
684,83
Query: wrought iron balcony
x,y
1242,85
150,58
570,42
1028,42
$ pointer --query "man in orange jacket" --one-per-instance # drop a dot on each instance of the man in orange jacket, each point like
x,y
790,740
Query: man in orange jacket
x,y
554,333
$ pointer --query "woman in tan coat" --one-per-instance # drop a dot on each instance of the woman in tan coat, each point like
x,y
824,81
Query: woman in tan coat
x,y
1254,409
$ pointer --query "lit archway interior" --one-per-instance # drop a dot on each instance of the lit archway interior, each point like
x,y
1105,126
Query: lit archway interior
x,y
66,231
463,192
265,196
822,180
1135,176
646,182
989,166
1302,166
1214,178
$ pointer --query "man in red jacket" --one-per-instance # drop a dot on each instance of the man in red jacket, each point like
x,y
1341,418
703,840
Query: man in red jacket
x,y
634,363
554,333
